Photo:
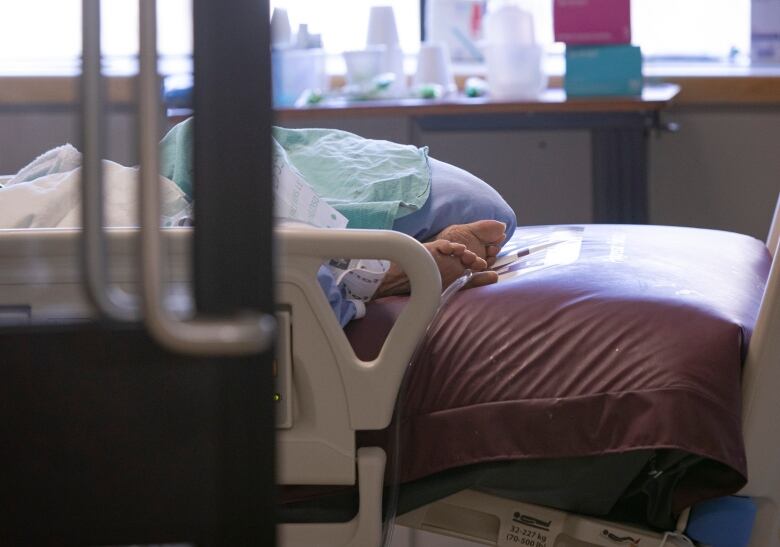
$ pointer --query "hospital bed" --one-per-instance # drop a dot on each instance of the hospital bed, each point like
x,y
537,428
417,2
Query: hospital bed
x,y
436,399
335,399
328,399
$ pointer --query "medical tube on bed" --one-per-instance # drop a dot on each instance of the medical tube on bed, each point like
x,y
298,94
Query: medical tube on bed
x,y
394,482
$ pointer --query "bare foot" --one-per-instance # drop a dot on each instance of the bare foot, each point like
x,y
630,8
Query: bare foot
x,y
452,260
483,238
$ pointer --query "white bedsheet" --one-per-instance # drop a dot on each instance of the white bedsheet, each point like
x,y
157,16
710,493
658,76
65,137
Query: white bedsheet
x,y
53,200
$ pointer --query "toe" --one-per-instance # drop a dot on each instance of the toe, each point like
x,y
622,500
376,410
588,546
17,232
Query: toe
x,y
457,249
444,247
468,258
492,250
488,231
481,279
479,264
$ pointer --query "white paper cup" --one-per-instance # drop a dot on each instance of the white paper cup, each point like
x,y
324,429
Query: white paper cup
x,y
382,30
281,32
433,67
393,61
364,64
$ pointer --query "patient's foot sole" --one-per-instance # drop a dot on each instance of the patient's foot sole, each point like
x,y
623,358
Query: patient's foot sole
x,y
483,238
451,258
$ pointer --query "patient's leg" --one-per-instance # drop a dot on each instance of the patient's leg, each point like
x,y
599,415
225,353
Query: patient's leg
x,y
483,238
452,260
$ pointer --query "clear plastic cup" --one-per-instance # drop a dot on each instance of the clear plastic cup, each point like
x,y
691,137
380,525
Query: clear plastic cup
x,y
295,71
514,71
364,64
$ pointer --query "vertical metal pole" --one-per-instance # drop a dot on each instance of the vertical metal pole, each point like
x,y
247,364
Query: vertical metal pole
x,y
233,253
113,303
233,193
250,333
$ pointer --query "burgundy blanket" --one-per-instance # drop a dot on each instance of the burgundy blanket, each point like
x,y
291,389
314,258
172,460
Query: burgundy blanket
x,y
620,338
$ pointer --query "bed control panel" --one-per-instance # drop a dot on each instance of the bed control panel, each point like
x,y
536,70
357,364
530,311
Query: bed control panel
x,y
283,371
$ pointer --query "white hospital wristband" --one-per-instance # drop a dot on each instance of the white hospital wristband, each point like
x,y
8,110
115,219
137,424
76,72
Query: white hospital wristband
x,y
360,308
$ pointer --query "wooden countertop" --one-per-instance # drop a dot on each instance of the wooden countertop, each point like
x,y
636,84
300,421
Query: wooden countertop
x,y
552,100
706,84
59,90
726,90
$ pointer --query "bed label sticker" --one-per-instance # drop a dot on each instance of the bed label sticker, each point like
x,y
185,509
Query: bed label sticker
x,y
535,528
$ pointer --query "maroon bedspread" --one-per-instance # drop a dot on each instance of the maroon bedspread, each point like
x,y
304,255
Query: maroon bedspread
x,y
631,338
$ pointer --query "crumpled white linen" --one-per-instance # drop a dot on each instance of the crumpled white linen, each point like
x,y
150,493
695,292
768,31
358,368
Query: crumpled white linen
x,y
47,194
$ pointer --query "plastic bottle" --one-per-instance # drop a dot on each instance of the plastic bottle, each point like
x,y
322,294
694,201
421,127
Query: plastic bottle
x,y
513,58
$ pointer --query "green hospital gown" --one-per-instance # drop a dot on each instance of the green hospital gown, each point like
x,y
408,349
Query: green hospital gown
x,y
371,182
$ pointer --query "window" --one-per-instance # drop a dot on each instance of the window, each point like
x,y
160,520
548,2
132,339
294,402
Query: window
x,y
44,36
344,23
677,29
691,28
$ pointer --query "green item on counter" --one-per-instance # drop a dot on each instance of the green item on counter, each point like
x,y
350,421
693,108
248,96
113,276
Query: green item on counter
x,y
309,97
430,91
475,87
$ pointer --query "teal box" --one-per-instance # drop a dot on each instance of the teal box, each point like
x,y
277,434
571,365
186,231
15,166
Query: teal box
x,y
603,70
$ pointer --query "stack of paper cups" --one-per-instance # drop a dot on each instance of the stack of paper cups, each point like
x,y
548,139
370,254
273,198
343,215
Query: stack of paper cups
x,y
433,67
382,31
281,32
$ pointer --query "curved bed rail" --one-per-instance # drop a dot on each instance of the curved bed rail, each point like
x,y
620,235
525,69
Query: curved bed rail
x,y
773,237
372,387
761,376
761,404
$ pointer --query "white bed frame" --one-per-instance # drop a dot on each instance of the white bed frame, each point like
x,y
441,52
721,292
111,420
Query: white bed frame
x,y
325,393
471,515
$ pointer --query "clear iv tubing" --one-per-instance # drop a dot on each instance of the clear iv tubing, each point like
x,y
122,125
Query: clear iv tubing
x,y
394,479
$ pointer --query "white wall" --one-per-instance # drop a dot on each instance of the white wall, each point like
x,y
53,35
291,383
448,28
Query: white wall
x,y
722,170
25,134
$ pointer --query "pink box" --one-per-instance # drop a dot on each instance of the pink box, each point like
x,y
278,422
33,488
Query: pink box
x,y
592,21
